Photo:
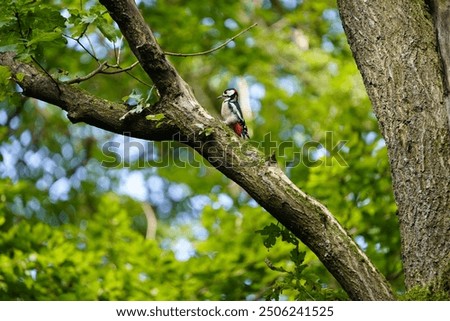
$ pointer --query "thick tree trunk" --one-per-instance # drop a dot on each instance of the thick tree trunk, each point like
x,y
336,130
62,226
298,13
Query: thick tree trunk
x,y
396,48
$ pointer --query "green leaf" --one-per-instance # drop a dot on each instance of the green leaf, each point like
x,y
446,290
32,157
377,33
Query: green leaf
x,y
273,267
297,257
20,76
44,37
88,19
156,117
107,30
30,24
271,231
288,237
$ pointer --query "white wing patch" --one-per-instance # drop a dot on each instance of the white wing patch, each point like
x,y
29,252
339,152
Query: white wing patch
x,y
236,110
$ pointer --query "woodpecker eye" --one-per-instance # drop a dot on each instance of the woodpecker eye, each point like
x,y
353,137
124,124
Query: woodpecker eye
x,y
229,92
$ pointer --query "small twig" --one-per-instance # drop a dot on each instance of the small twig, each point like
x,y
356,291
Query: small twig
x,y
77,40
77,80
126,70
102,69
84,31
32,57
92,47
137,79
47,73
115,54
167,53
120,69
117,51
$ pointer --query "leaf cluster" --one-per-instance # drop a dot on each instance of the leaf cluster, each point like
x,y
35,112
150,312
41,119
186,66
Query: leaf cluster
x,y
95,17
30,27
295,279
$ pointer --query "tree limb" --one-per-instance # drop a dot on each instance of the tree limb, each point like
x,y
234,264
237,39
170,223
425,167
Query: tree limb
x,y
81,106
308,219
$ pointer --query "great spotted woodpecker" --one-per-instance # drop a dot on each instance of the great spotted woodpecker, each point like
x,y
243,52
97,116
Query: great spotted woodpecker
x,y
232,113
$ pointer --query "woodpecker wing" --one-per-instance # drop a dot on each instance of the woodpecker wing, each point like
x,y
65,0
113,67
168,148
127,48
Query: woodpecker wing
x,y
236,109
240,128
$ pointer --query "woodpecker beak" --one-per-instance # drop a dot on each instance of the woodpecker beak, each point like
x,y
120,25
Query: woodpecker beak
x,y
219,97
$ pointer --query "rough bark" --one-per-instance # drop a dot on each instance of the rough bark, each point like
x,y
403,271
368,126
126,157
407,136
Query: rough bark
x,y
396,48
186,121
440,10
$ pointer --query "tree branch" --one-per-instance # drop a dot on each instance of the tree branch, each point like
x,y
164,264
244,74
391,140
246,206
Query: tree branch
x,y
102,69
81,106
77,80
77,40
119,69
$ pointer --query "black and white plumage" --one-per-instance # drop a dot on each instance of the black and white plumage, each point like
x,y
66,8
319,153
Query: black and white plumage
x,y
232,113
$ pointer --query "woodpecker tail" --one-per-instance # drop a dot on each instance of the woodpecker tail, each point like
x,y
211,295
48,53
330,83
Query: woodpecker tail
x,y
240,128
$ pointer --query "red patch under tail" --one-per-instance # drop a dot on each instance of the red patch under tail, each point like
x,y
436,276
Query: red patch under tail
x,y
241,130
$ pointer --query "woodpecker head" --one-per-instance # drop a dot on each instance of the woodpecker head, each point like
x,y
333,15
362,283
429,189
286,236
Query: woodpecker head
x,y
229,94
